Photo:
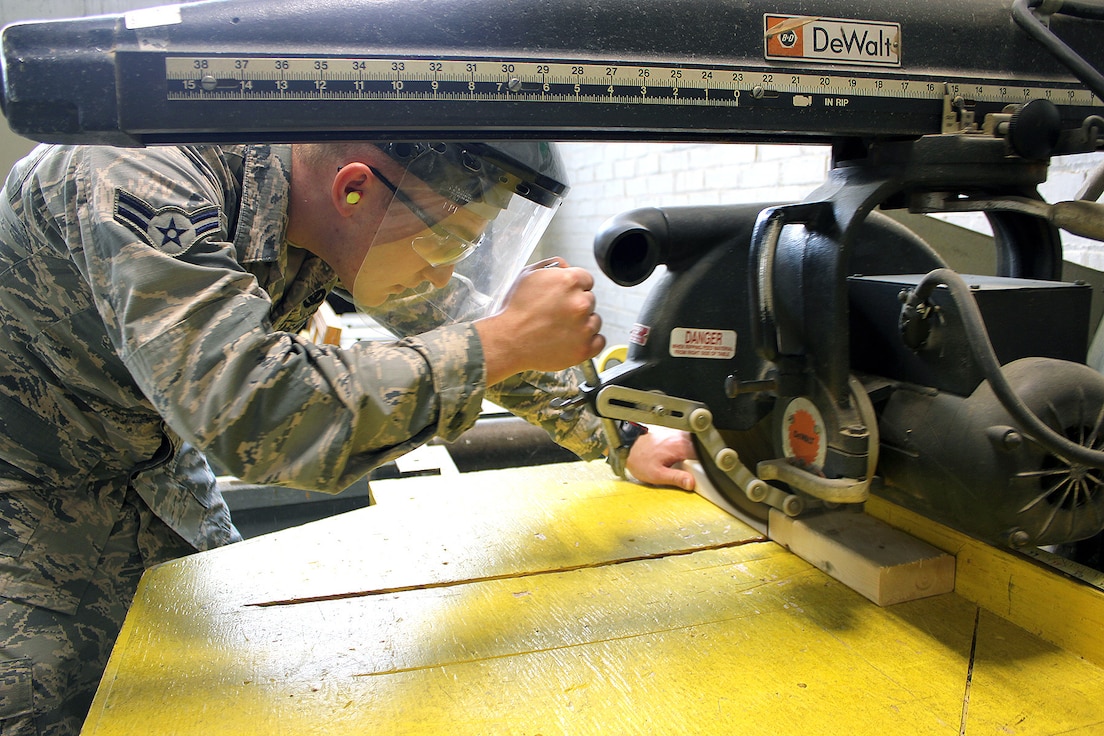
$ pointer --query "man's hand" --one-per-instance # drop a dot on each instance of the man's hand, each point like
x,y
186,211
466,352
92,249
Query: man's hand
x,y
548,323
652,455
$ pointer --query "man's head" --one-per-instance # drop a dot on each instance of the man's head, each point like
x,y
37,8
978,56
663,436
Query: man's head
x,y
395,216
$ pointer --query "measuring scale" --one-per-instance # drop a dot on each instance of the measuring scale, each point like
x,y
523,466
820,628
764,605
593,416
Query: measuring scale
x,y
618,70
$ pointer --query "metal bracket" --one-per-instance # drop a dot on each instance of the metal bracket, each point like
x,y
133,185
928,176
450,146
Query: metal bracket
x,y
957,116
618,453
648,407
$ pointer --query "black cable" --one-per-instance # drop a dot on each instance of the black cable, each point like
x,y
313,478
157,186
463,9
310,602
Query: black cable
x,y
1027,20
1089,9
982,349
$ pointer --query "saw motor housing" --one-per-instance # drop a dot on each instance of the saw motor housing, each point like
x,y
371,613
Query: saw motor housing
x,y
788,323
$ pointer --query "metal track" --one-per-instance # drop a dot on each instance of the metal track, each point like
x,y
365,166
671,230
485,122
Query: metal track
x,y
768,70
497,79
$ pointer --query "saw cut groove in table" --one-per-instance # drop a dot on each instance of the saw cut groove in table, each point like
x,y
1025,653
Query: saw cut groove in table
x,y
561,601
509,576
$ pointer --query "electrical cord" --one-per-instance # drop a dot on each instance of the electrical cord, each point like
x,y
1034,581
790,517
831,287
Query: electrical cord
x,y
1034,27
982,350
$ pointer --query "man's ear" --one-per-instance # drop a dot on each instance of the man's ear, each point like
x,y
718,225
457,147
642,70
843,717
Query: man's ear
x,y
349,188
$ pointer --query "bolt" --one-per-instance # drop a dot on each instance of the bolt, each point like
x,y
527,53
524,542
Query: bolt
x,y
793,505
726,459
758,92
1018,539
700,419
514,85
208,83
1005,439
757,491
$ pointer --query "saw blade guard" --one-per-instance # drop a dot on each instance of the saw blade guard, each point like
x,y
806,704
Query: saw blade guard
x,y
693,361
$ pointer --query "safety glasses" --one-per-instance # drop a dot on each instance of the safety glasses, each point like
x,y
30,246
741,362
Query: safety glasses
x,y
440,247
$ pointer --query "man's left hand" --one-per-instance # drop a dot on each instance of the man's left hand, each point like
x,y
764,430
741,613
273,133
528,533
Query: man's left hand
x,y
653,455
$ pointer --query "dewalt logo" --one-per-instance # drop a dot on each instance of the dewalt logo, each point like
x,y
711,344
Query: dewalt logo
x,y
831,40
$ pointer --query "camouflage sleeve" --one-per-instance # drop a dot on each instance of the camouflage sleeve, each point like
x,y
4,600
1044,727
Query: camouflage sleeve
x,y
193,329
528,395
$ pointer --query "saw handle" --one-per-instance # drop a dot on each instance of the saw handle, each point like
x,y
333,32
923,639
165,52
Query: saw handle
x,y
764,251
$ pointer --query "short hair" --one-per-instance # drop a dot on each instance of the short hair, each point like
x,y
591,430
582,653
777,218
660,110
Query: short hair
x,y
340,153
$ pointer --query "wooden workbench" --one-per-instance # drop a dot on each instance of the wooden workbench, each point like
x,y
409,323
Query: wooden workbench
x,y
557,600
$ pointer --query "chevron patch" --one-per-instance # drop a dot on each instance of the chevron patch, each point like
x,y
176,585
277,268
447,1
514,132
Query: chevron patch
x,y
170,229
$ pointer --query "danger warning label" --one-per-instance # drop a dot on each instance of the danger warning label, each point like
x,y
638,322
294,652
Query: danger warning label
x,y
688,342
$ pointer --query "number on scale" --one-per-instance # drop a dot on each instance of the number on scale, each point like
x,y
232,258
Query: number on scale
x,y
336,77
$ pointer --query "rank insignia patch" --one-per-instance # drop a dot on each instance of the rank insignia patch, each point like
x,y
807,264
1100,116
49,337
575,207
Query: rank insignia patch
x,y
170,229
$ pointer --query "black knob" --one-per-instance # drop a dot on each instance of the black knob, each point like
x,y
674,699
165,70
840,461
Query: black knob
x,y
1034,129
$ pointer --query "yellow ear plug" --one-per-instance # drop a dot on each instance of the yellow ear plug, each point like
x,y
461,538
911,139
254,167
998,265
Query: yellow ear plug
x,y
352,197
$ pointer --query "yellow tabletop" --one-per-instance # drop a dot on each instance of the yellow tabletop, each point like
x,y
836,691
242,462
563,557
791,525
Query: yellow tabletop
x,y
558,600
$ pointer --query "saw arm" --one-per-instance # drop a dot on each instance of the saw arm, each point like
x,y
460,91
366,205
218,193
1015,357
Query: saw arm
x,y
264,70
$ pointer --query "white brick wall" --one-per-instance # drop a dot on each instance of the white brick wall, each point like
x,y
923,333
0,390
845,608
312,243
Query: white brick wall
x,y
609,178
1066,177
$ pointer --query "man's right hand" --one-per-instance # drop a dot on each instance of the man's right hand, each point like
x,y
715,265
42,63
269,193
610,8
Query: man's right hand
x,y
547,323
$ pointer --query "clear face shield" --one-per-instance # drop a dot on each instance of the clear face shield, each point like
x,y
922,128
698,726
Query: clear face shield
x,y
463,221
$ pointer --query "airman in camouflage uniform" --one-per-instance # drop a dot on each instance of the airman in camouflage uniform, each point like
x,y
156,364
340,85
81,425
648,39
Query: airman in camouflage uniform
x,y
151,310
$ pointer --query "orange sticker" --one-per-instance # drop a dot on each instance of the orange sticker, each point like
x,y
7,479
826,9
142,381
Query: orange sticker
x,y
784,40
803,433
803,438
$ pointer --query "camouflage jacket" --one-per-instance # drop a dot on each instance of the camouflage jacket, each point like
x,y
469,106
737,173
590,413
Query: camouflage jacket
x,y
151,317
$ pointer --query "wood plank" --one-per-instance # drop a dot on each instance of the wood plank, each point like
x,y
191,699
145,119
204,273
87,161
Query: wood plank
x,y
718,641
324,327
875,559
1011,685
555,629
869,556
1060,609
436,530
739,640
427,460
